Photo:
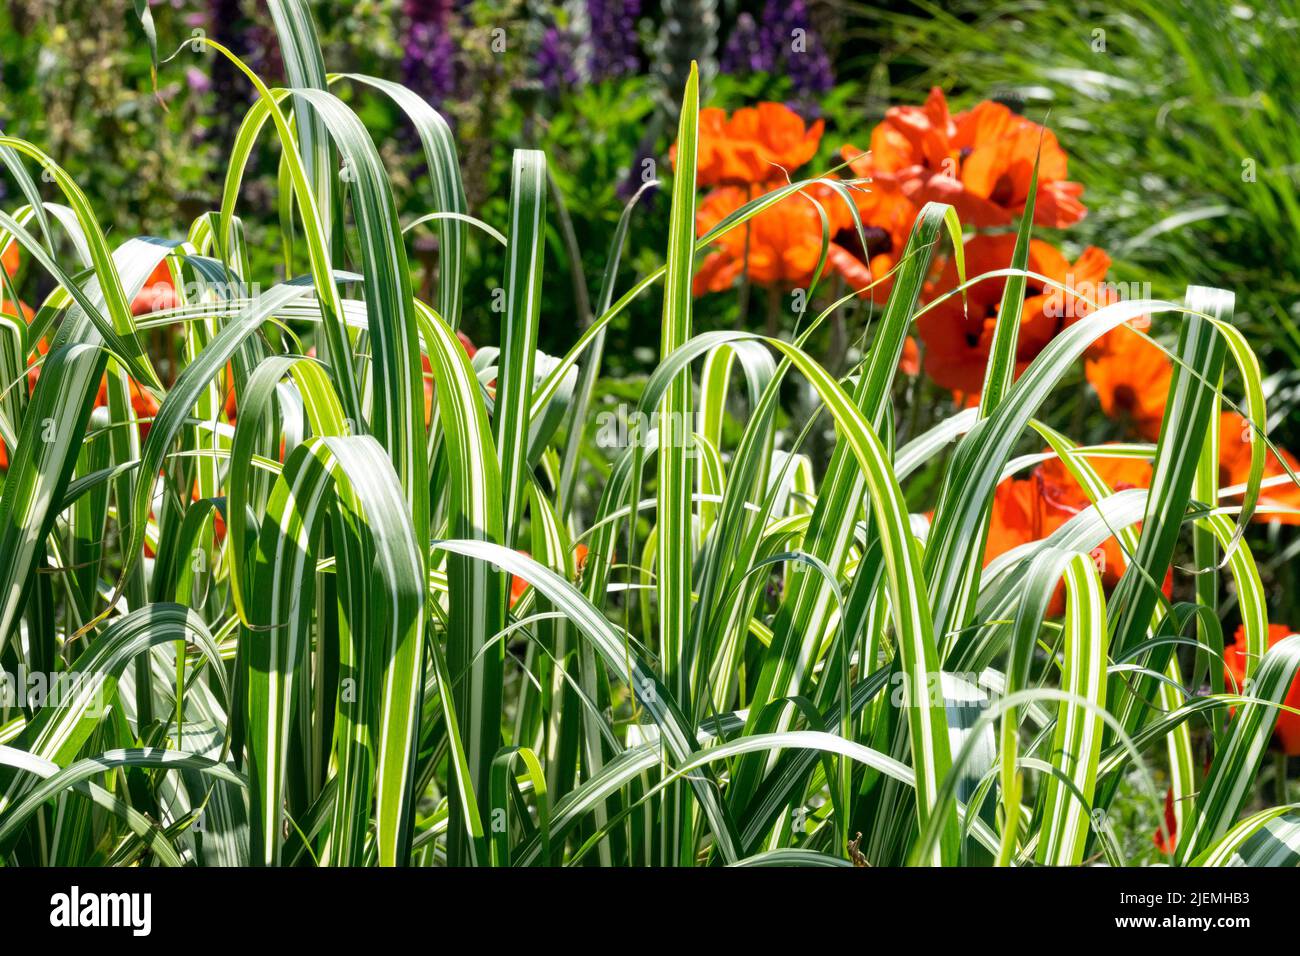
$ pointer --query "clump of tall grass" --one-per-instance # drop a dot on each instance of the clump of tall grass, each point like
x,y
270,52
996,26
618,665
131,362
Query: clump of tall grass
x,y
321,623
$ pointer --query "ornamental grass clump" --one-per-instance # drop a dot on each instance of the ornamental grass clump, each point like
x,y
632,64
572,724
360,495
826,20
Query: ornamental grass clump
x,y
328,597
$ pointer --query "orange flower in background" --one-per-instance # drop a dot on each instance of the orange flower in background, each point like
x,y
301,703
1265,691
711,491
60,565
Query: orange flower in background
x,y
758,144
1030,509
784,241
1062,498
1087,286
1286,732
1131,377
887,216
909,363
997,149
913,140
232,404
427,377
34,370
1016,517
144,405
980,162
20,311
10,262
470,348
23,311
958,341
1167,839
518,585
157,294
1234,469
218,522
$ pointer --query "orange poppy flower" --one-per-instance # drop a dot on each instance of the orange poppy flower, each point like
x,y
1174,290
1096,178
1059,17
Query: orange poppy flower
x,y
1234,468
24,311
784,240
757,145
1086,286
157,294
518,585
20,311
909,363
470,348
1167,839
911,136
427,378
232,403
218,523
1062,498
1030,509
1131,377
1286,732
887,216
957,342
997,149
980,162
144,405
34,370
1016,517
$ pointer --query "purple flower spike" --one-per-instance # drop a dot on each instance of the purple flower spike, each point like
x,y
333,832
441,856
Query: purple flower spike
x,y
613,37
555,61
786,42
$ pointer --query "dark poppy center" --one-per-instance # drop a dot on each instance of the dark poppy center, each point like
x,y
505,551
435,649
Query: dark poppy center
x,y
1004,190
878,240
